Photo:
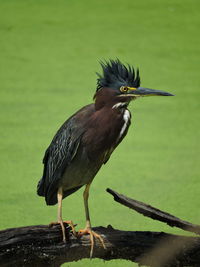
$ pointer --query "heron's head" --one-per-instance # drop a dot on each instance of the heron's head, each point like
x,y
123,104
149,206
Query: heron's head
x,y
120,84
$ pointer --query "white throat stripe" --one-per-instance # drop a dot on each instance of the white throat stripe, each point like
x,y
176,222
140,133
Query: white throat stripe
x,y
120,105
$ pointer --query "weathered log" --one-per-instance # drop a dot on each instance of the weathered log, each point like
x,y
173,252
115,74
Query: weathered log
x,y
42,246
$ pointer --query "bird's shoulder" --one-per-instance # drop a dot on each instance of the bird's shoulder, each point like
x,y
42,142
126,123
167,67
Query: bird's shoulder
x,y
69,134
76,122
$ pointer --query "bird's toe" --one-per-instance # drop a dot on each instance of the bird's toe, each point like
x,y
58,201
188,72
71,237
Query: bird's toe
x,y
89,231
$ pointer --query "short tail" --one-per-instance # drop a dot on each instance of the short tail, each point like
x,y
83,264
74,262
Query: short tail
x,y
51,194
40,188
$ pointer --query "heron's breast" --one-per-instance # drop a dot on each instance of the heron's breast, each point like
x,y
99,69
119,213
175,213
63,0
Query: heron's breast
x,y
80,171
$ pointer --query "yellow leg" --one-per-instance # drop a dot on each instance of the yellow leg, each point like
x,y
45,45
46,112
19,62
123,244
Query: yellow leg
x,y
60,220
88,228
85,198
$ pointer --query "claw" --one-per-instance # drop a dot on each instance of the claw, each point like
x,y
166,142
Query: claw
x,y
92,235
70,223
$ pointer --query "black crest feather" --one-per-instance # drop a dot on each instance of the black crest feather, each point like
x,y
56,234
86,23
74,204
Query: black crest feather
x,y
116,74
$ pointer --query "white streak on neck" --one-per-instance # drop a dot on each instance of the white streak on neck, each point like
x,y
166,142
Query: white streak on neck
x,y
119,105
126,117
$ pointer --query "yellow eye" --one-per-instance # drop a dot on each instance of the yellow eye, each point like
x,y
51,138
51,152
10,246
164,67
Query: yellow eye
x,y
123,89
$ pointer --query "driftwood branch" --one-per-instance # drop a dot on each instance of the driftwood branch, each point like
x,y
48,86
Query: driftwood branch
x,y
42,246
154,213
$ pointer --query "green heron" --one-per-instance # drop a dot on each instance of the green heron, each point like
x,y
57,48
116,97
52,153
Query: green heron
x,y
87,139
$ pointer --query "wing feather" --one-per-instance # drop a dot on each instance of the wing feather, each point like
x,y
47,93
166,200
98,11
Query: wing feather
x,y
58,156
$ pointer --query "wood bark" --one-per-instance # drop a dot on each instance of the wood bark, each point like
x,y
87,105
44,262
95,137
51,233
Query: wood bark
x,y
154,213
41,245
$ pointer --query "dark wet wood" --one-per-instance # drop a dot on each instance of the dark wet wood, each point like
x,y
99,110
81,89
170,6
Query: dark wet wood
x,y
40,245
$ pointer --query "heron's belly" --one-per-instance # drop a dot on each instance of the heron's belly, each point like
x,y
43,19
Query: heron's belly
x,y
80,171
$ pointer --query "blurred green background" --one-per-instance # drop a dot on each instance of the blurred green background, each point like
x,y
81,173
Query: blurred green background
x,y
49,53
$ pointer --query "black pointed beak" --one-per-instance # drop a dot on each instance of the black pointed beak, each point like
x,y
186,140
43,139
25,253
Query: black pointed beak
x,y
141,91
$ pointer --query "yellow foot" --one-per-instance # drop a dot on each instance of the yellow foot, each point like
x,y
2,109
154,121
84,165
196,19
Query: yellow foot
x,y
92,234
70,223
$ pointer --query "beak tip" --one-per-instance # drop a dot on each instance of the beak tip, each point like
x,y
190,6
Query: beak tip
x,y
169,94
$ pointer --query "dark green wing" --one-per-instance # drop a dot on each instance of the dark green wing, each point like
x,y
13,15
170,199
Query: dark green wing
x,y
57,157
